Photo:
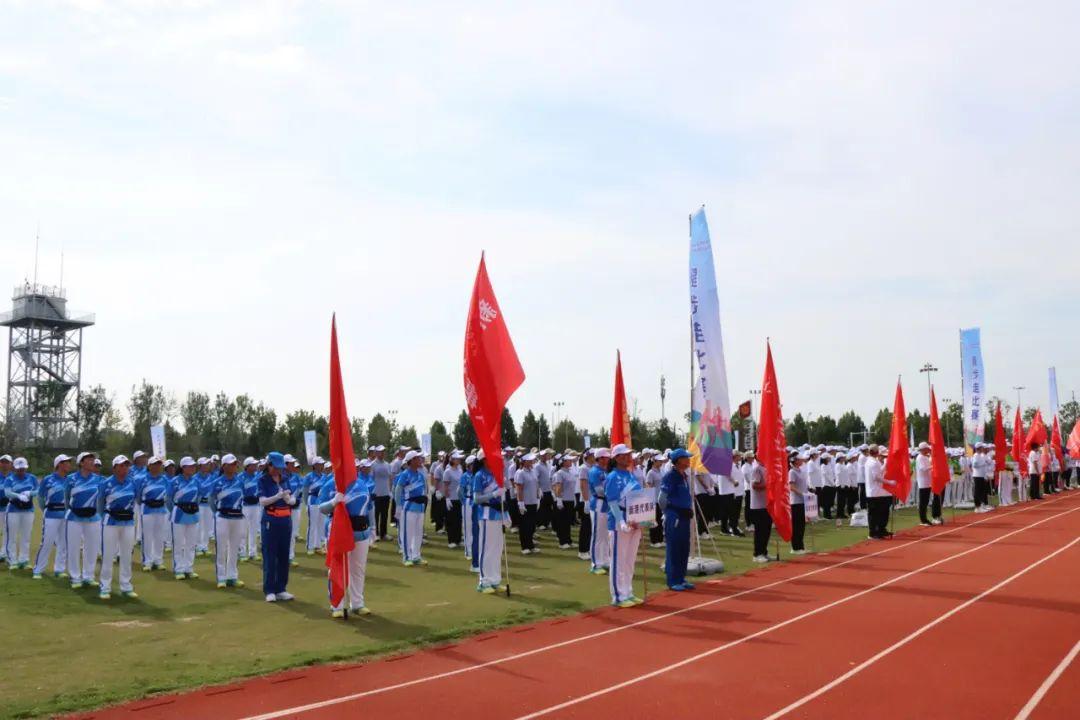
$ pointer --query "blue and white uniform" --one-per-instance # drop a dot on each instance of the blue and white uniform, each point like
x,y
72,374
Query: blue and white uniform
x,y
488,496
83,527
206,513
295,482
19,490
599,547
52,499
411,495
185,494
316,540
624,538
3,509
116,503
252,511
465,494
276,529
361,508
227,500
152,495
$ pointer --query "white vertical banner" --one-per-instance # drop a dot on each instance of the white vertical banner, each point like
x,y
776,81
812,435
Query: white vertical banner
x,y
974,385
157,441
588,441
425,443
310,446
1055,406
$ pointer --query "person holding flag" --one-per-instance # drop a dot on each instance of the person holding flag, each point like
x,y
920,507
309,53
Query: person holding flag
x,y
923,470
360,507
488,498
878,494
770,495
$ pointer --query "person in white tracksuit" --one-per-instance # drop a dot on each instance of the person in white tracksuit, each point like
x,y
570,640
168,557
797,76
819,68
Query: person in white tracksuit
x,y
488,497
52,498
230,529
116,503
19,491
360,506
184,494
83,527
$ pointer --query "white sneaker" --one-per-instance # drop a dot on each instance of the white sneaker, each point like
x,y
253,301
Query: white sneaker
x,y
271,598
285,596
526,551
798,552
761,559
936,521
584,556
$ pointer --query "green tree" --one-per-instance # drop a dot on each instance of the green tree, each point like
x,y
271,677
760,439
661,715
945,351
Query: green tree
x,y
464,433
543,431
952,423
94,405
149,405
567,435
848,425
289,437
602,438
882,427
197,416
227,431
380,432
407,436
823,430
1069,413
919,424
440,438
530,431
359,440
509,434
663,435
263,423
1029,415
796,431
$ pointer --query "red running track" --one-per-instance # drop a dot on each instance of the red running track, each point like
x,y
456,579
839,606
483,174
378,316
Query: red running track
x,y
969,620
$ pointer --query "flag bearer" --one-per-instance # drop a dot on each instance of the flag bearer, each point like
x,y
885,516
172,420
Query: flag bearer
x,y
52,497
877,494
360,506
411,497
83,522
600,550
20,490
922,479
184,494
276,527
564,488
489,499
313,482
252,511
116,502
152,495
451,491
675,502
227,501
624,537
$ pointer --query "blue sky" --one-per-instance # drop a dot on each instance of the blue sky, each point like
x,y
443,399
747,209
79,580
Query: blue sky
x,y
223,176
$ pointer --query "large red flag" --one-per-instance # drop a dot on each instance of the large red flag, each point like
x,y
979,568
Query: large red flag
x,y
898,462
492,369
940,472
1001,448
343,461
1055,443
1037,433
1074,441
1018,450
772,451
620,419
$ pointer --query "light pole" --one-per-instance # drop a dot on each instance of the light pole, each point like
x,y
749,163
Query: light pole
x,y
1018,389
929,369
948,402
556,413
663,396
753,423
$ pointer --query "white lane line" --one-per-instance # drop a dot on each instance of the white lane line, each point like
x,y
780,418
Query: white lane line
x,y
1025,712
591,636
783,624
933,623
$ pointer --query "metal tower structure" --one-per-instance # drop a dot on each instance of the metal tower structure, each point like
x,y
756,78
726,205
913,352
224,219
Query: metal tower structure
x,y
44,365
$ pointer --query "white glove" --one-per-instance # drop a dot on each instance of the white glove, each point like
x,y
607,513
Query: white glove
x,y
558,504
449,504
623,527
339,498
438,495
25,497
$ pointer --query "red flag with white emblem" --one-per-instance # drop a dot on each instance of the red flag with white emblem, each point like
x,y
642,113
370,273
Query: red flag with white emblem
x,y
772,451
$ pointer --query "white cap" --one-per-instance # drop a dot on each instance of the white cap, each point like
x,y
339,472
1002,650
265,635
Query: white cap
x,y
21,464
5,457
228,458
470,460
365,463
802,456
924,446
82,456
531,457
169,463
153,459
250,461
412,455
290,459
602,452
137,454
201,461
883,450
480,454
442,453
403,448
214,458
186,461
317,461
620,449
119,460
457,455
380,448
59,459
356,462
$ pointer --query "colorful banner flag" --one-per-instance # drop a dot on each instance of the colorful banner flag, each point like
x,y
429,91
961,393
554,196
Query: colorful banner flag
x,y
772,451
974,384
898,462
620,418
343,460
1018,449
492,370
1055,406
710,412
940,472
1000,445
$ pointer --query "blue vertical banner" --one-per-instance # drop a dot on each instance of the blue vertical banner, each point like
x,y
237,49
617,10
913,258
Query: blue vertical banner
x,y
974,383
710,414
1055,406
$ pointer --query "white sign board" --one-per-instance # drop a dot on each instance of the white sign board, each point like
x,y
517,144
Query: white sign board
x,y
309,445
811,506
641,507
425,443
157,441
588,442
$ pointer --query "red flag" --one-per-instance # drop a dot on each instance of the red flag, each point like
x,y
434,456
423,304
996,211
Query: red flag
x,y
1037,433
341,542
940,472
1055,442
1000,446
620,419
1018,449
492,369
898,462
1074,441
772,451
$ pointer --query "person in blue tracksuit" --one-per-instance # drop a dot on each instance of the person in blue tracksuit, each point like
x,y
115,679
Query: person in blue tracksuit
x,y
326,492
676,504
151,494
360,505
83,522
227,501
490,503
600,546
205,476
116,503
294,480
52,498
184,500
252,511
624,537
20,489
139,462
278,503
465,494
411,496
313,481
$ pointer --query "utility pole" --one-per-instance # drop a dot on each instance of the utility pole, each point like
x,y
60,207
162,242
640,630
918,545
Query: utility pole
x,y
1018,388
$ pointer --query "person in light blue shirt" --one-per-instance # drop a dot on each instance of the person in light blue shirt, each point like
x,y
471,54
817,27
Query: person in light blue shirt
x,y
360,505
139,461
205,476
52,499
252,511
83,522
489,499
465,494
227,501
184,495
294,480
411,496
313,481
599,545
19,489
116,503
625,537
152,495
326,492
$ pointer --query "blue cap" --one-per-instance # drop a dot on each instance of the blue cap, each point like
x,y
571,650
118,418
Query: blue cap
x,y
678,454
277,460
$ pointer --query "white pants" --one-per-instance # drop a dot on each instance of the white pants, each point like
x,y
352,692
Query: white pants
x,y
154,528
117,539
83,547
624,547
412,534
251,541
138,521
53,535
296,525
491,552
1005,488
206,528
1022,487
230,533
315,537
357,574
19,525
184,538
600,549
3,533
466,519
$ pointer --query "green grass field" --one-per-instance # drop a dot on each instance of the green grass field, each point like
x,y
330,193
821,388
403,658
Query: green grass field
x,y
66,650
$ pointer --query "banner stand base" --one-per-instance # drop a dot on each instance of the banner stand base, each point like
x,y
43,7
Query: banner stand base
x,y
698,566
